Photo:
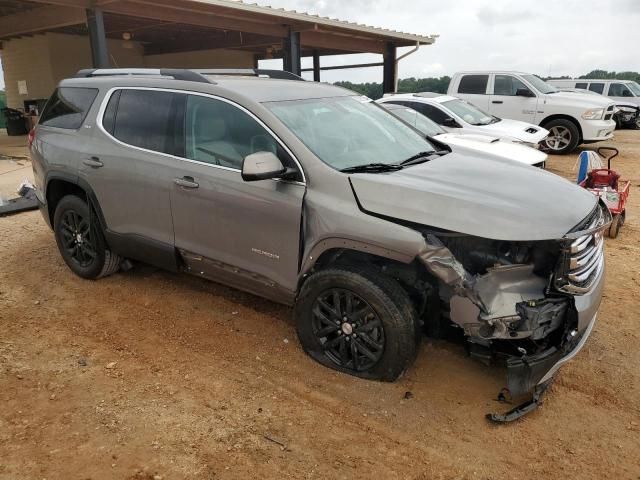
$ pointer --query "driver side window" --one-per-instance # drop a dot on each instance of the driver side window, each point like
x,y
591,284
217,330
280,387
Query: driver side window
x,y
219,133
619,90
507,85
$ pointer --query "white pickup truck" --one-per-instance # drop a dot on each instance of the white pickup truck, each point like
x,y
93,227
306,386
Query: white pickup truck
x,y
572,118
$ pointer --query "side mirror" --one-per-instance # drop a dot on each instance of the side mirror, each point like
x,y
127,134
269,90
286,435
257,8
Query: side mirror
x,y
524,92
450,122
262,166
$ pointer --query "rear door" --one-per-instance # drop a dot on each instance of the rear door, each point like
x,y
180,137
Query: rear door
x,y
130,164
245,234
474,89
506,103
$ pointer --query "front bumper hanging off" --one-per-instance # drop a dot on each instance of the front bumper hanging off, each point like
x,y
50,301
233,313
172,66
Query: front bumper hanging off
x,y
538,371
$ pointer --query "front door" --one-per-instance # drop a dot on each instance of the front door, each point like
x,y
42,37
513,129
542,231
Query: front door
x,y
508,100
246,234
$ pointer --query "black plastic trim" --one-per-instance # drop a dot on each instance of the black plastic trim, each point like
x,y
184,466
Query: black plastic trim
x,y
143,249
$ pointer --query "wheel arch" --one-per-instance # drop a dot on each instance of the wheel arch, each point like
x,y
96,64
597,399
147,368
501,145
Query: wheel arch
x,y
404,268
58,185
560,116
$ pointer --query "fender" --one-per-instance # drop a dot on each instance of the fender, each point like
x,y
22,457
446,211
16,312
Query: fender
x,y
330,243
83,184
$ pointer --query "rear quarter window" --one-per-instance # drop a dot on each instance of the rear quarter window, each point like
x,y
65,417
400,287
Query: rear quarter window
x,y
68,107
473,84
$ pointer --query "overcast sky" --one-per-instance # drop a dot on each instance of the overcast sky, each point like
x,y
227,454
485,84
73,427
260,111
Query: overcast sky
x,y
546,37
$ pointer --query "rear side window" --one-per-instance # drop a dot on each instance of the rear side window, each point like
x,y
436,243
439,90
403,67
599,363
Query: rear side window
x,y
582,86
475,84
67,107
142,118
431,112
597,87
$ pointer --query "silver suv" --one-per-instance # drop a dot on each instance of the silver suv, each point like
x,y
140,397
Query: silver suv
x,y
315,197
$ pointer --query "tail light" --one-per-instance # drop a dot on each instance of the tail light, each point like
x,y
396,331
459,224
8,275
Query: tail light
x,y
32,136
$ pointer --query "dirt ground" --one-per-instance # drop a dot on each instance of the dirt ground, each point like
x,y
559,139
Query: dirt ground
x,y
148,374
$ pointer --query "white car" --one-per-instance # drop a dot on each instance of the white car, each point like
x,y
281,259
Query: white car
x,y
571,118
482,143
458,116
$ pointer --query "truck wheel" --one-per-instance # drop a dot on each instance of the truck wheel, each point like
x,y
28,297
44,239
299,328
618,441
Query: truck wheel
x,y
563,136
357,321
80,240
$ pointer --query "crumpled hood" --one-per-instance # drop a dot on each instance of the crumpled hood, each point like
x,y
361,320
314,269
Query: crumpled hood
x,y
478,195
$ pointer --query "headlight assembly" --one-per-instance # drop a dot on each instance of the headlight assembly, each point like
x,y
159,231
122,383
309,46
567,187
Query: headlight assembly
x,y
593,114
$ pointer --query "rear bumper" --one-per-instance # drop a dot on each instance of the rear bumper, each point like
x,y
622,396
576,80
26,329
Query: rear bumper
x,y
597,130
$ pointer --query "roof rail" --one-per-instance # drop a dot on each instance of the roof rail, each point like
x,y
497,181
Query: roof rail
x,y
175,73
250,72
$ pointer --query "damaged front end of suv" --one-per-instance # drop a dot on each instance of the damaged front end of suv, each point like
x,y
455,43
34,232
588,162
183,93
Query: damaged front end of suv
x,y
520,302
516,263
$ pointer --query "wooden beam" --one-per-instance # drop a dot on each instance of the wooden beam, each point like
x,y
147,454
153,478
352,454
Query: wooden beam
x,y
210,20
44,18
65,3
320,40
248,42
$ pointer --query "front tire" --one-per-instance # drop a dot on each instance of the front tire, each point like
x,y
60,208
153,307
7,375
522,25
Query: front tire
x,y
359,322
80,240
563,136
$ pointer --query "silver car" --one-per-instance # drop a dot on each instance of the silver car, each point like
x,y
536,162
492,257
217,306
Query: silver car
x,y
315,197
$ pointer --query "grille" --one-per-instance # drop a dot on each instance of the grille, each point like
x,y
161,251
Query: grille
x,y
583,258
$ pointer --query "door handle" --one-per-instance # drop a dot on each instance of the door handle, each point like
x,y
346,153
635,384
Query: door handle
x,y
93,162
186,182
497,101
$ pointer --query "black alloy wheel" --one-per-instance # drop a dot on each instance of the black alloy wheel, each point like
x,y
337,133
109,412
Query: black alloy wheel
x,y
348,329
77,238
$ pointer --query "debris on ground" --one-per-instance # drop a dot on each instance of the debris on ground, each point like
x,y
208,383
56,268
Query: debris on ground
x,y
26,200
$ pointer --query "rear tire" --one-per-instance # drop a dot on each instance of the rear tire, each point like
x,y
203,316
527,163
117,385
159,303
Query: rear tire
x,y
563,136
359,322
80,240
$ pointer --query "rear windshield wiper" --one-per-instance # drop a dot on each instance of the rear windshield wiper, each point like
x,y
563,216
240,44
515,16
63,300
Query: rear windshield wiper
x,y
423,157
373,168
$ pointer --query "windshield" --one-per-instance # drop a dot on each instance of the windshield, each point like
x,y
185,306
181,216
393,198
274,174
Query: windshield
x,y
468,112
635,88
346,132
539,84
419,121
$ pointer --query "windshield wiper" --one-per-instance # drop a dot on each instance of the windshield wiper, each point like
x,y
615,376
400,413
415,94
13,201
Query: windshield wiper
x,y
372,168
422,157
